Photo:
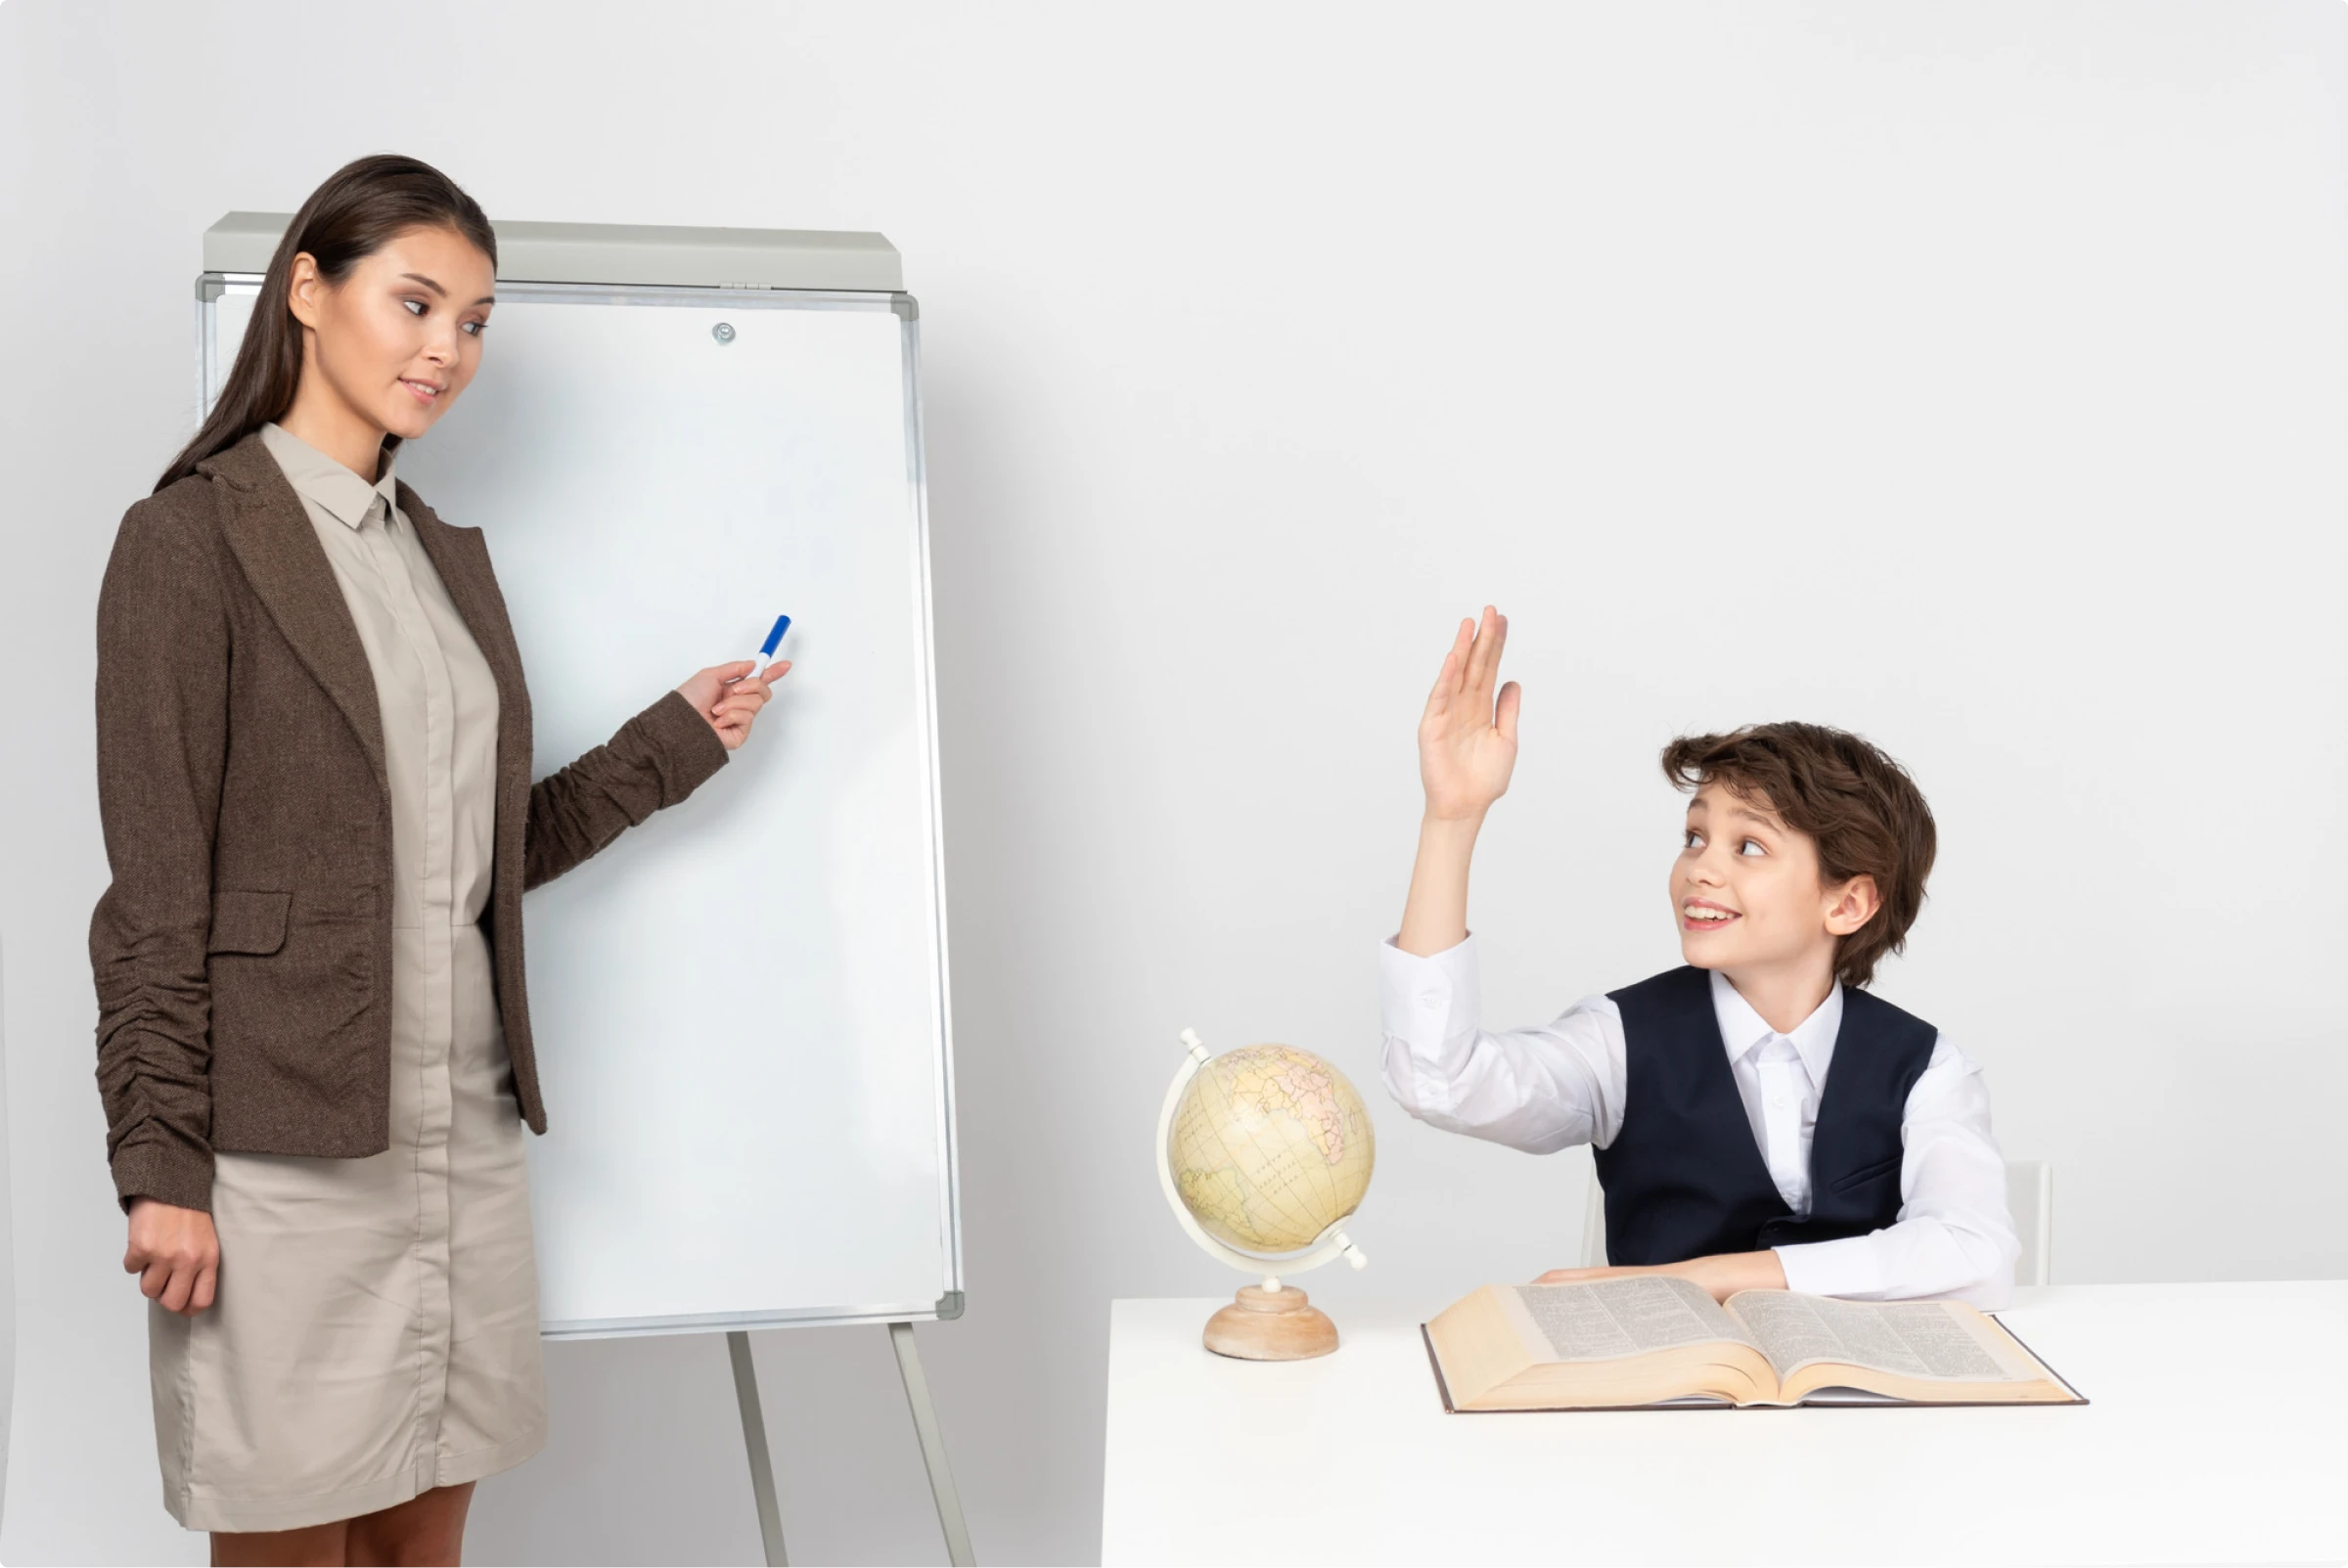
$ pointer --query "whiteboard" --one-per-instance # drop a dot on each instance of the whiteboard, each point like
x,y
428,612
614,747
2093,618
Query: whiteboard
x,y
740,1006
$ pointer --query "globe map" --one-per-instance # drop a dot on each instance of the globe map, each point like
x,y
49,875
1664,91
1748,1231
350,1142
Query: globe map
x,y
1269,1148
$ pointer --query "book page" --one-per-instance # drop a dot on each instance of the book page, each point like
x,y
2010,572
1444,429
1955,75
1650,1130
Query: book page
x,y
1912,1338
1607,1319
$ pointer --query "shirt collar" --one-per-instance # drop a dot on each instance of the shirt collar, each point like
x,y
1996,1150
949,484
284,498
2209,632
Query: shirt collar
x,y
317,477
1741,1029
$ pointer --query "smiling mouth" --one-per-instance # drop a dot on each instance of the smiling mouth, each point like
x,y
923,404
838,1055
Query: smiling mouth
x,y
423,391
1698,916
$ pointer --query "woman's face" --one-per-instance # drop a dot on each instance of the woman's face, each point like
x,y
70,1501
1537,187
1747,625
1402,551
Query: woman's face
x,y
401,335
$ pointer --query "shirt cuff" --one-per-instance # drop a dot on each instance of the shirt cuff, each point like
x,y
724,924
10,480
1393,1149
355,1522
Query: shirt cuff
x,y
1426,1002
1850,1266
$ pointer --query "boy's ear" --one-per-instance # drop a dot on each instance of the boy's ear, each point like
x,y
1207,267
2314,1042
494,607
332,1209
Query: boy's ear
x,y
1852,905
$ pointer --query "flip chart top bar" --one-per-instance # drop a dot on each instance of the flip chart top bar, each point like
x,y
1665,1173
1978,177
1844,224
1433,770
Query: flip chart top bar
x,y
629,253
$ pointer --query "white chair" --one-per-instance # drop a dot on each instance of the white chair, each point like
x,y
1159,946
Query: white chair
x,y
1594,1222
2029,1198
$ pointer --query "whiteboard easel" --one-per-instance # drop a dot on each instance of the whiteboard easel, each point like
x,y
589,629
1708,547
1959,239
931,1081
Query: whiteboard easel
x,y
674,435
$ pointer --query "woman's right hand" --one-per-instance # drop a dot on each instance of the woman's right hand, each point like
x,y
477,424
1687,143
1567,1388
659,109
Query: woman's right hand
x,y
1468,738
730,695
175,1253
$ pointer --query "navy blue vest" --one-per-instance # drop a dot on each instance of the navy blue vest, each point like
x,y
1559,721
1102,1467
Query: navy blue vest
x,y
1684,1177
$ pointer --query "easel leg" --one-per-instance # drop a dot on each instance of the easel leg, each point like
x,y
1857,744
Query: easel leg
x,y
934,1447
753,1438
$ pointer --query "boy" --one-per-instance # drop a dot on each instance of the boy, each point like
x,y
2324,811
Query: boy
x,y
1703,1089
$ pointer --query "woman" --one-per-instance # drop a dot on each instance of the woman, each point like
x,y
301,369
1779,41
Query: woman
x,y
313,1041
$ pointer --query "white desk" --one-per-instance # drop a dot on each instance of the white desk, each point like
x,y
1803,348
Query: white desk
x,y
1351,1457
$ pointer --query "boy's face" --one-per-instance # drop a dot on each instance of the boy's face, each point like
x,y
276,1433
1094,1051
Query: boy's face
x,y
1746,892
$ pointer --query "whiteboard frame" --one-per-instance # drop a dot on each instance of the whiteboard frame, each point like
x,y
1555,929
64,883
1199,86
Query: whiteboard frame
x,y
212,286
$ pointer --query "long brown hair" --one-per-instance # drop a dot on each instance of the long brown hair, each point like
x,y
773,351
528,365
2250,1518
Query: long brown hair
x,y
362,207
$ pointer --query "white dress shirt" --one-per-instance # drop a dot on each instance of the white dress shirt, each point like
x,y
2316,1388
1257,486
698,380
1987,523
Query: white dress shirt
x,y
1558,1084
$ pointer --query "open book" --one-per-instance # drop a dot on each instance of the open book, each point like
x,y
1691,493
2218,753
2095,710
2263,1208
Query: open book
x,y
1656,1339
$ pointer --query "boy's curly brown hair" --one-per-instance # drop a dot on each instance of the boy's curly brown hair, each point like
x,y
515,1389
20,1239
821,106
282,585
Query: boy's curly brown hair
x,y
1858,805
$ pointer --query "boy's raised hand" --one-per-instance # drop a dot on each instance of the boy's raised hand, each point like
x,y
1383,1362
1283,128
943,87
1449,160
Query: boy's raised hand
x,y
1466,750
1468,738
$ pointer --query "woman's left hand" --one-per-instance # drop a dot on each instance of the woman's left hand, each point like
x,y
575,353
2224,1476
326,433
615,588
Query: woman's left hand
x,y
730,707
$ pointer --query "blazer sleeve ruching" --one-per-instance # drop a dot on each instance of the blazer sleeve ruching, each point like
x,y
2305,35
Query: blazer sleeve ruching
x,y
163,648
658,758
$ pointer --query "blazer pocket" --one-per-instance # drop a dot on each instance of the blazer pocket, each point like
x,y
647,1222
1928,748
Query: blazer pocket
x,y
248,922
1869,1173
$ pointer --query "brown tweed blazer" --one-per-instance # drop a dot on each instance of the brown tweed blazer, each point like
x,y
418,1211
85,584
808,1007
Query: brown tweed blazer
x,y
242,952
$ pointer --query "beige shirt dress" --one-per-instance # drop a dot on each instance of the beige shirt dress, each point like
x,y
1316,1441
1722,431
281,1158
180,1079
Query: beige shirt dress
x,y
376,1329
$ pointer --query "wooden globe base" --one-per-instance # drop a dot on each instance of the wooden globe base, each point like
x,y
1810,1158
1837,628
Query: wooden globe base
x,y
1280,1324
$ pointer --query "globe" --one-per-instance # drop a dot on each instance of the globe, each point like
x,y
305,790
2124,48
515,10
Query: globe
x,y
1264,1153
1269,1148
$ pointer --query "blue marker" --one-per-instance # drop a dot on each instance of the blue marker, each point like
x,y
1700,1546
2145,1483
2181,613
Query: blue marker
x,y
766,649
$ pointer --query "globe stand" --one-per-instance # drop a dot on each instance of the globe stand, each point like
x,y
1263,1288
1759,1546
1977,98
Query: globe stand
x,y
1268,1322
1275,1324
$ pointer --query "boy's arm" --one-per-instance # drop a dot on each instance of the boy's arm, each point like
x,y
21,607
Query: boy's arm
x,y
1532,1089
1466,750
1537,1090
1954,1236
1723,1273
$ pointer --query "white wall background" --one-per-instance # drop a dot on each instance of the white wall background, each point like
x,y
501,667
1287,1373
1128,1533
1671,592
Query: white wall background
x,y
1967,376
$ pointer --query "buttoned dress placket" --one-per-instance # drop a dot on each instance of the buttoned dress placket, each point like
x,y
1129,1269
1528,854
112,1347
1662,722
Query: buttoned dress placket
x,y
423,941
